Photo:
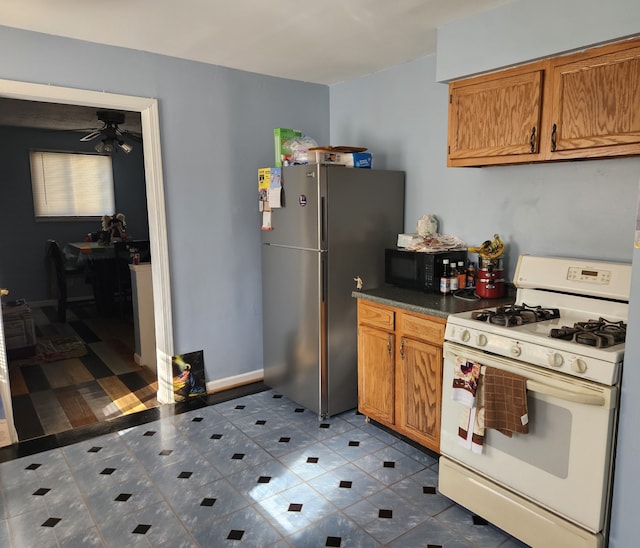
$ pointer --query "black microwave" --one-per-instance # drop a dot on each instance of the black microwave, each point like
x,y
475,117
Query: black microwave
x,y
417,269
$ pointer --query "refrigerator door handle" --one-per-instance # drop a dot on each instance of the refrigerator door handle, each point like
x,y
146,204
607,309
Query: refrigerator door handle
x,y
323,223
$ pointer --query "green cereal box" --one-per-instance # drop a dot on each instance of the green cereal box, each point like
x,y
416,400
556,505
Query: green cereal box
x,y
281,135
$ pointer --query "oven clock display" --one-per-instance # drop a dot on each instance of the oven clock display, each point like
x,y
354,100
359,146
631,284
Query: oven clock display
x,y
579,274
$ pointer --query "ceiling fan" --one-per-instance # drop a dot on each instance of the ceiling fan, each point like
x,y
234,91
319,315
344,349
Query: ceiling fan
x,y
112,135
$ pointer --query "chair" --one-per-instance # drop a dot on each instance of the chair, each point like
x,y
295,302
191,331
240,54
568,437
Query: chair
x,y
62,272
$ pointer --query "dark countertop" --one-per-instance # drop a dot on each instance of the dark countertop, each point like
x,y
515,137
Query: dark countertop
x,y
431,304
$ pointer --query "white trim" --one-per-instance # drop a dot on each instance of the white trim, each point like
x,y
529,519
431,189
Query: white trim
x,y
236,380
148,109
5,392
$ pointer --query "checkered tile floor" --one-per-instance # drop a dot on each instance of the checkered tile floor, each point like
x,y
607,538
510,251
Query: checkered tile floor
x,y
255,471
53,397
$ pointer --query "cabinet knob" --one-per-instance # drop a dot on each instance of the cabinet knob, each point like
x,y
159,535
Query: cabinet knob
x,y
554,133
389,345
402,348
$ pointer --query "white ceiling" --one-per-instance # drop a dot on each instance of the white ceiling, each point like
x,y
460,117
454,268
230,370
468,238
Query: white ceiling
x,y
324,42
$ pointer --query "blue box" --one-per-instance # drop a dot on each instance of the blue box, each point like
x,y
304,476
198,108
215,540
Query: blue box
x,y
355,159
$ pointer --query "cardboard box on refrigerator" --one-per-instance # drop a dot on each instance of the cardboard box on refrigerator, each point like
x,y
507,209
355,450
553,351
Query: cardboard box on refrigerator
x,y
355,159
332,156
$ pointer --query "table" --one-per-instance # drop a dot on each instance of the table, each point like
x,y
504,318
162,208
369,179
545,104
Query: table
x,y
100,263
95,249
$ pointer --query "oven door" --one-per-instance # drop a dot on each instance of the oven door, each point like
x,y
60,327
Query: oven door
x,y
564,463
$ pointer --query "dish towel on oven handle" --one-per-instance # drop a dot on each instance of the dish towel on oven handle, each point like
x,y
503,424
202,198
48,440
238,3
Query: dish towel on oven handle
x,y
466,391
505,401
466,376
471,428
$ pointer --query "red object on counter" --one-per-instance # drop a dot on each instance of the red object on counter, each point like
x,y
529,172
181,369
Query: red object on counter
x,y
489,288
490,279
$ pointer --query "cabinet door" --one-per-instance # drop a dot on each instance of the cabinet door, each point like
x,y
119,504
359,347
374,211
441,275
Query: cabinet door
x,y
376,374
495,118
420,392
596,103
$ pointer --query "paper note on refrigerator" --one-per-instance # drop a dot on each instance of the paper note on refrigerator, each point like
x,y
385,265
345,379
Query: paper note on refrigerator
x,y
274,192
275,197
266,220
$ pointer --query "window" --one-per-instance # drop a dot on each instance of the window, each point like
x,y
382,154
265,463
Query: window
x,y
71,185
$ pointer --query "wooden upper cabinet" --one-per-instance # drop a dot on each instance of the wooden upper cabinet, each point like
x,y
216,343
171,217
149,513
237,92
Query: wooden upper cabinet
x,y
595,103
581,105
495,118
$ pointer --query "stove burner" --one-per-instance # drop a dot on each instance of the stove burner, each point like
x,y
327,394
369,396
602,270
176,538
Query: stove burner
x,y
600,333
512,315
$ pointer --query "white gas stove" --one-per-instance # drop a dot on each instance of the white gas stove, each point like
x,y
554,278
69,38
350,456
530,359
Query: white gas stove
x,y
590,299
565,336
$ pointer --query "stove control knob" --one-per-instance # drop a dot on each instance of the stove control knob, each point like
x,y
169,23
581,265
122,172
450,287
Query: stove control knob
x,y
555,359
481,340
516,350
578,365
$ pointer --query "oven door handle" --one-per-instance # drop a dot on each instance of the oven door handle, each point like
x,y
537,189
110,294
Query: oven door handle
x,y
577,397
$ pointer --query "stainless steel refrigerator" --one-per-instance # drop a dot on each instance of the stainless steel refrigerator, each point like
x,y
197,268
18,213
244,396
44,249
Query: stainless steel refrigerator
x,y
332,230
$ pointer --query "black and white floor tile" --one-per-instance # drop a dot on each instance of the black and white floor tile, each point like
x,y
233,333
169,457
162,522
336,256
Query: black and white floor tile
x,y
254,471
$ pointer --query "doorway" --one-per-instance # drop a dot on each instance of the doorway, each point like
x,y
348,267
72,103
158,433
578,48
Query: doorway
x,y
148,109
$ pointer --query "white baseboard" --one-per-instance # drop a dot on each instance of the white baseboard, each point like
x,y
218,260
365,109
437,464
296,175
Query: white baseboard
x,y
236,380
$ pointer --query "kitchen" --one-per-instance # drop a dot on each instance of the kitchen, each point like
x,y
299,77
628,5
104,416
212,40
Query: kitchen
x,y
577,208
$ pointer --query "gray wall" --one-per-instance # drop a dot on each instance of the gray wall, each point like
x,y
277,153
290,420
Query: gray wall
x,y
522,31
216,127
577,209
22,239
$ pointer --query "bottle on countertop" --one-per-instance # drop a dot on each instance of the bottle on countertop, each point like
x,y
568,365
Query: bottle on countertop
x,y
453,278
471,275
445,279
462,275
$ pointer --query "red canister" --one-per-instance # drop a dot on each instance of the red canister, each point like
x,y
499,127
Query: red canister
x,y
490,278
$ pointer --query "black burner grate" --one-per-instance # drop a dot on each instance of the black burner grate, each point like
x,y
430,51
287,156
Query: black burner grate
x,y
600,333
516,314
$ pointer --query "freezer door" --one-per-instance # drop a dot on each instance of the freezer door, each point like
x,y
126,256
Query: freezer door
x,y
292,334
298,222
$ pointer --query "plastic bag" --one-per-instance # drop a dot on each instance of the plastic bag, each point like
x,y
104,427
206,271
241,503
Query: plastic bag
x,y
299,147
427,226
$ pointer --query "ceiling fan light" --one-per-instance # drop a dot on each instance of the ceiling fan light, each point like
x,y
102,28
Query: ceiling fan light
x,y
104,147
125,147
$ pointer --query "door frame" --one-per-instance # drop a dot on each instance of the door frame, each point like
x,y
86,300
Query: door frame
x,y
148,109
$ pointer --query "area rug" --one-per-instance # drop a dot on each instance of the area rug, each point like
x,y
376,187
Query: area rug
x,y
53,349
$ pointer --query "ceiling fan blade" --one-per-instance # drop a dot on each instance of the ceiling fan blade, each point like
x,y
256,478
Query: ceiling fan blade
x,y
91,136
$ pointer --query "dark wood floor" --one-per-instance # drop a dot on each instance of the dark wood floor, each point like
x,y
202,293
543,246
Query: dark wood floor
x,y
106,383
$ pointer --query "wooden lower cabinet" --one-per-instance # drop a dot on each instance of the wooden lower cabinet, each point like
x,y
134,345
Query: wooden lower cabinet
x,y
419,392
400,370
376,384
